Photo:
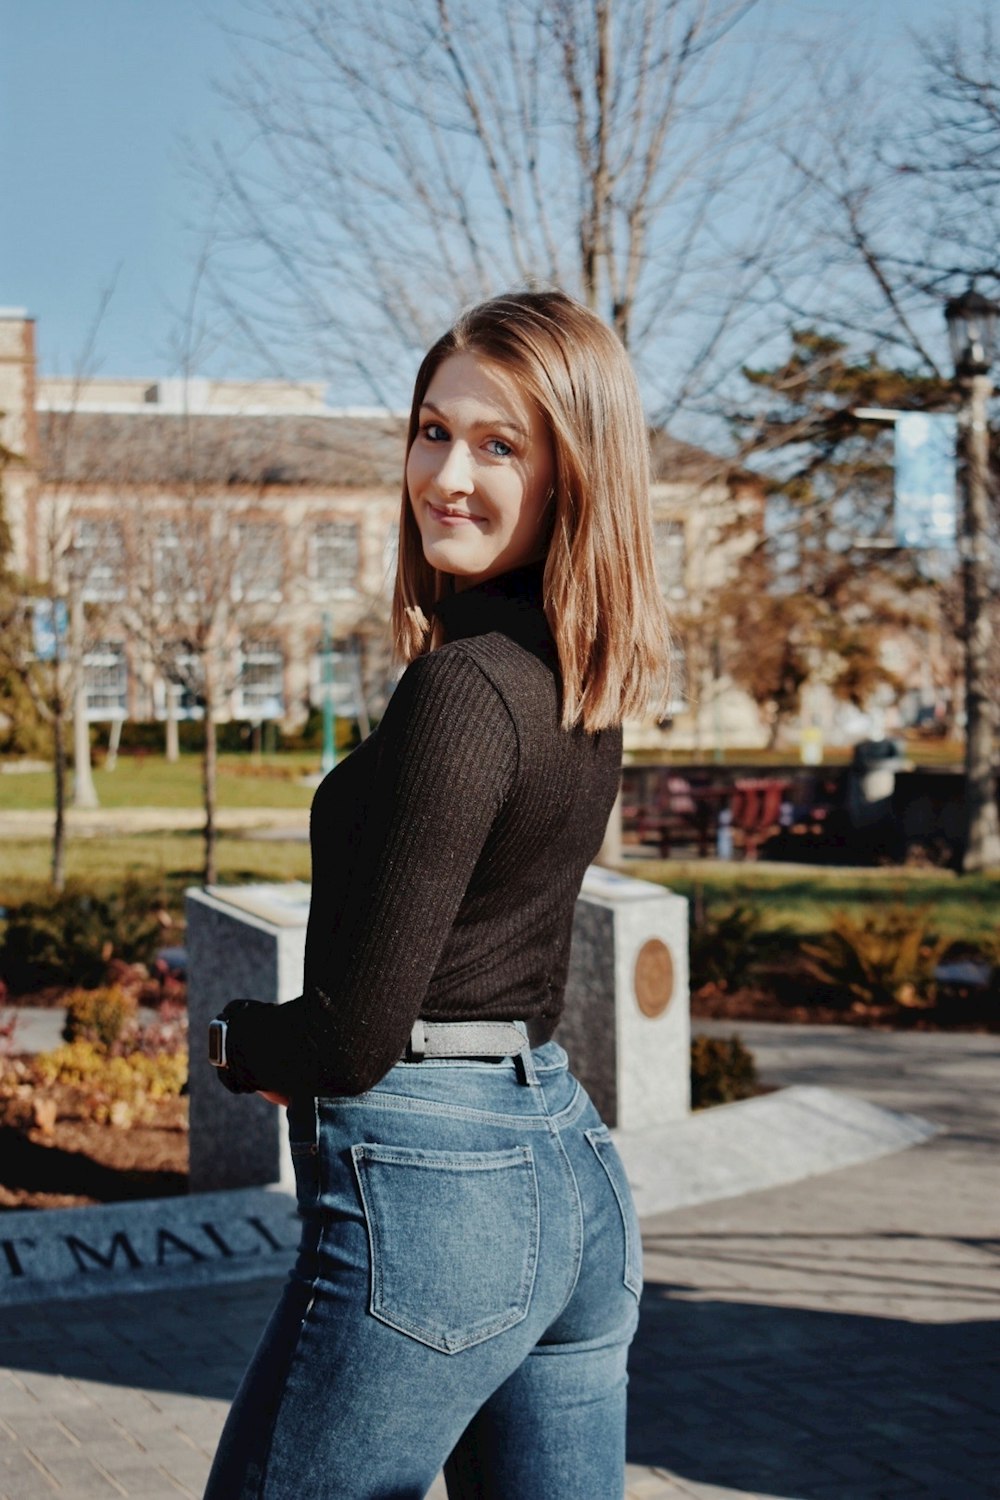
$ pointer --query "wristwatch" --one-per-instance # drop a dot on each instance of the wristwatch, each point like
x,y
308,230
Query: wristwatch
x,y
232,1071
217,1030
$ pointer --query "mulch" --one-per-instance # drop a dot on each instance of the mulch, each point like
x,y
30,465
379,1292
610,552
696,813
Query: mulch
x,y
80,1162
961,1012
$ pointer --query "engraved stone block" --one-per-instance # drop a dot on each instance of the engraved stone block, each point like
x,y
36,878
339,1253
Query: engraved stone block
x,y
626,1025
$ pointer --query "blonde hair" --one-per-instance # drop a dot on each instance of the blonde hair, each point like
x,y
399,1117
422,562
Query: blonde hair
x,y
600,594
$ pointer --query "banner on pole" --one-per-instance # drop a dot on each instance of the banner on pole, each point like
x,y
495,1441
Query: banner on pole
x,y
925,505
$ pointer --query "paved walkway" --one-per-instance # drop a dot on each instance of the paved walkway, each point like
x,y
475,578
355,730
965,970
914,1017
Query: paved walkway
x,y
836,1338
35,823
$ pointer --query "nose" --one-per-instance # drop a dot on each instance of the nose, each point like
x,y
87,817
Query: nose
x,y
454,476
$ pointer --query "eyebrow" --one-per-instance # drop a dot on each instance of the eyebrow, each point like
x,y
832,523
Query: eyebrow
x,y
494,422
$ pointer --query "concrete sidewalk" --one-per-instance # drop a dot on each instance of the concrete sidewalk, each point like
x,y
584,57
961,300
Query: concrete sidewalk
x,y
839,1337
105,822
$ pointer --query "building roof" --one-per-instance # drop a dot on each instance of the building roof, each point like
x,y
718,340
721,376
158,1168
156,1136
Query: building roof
x,y
353,450
677,462
123,448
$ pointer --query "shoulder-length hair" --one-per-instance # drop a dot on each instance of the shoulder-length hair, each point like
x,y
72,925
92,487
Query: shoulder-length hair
x,y
600,593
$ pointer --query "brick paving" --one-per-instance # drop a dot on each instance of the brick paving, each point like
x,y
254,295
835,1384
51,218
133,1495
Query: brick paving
x,y
836,1338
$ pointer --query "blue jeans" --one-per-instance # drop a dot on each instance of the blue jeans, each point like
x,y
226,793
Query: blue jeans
x,y
465,1293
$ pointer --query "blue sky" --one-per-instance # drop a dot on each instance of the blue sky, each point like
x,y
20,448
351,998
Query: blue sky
x,y
97,100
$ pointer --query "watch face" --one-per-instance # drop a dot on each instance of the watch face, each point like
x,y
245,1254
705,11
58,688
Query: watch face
x,y
217,1043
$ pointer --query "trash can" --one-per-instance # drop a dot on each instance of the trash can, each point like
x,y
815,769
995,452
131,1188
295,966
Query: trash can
x,y
871,785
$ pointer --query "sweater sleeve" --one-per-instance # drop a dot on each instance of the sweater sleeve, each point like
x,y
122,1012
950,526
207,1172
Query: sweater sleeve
x,y
447,758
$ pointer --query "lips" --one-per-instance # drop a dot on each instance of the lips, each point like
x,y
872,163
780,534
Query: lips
x,y
452,518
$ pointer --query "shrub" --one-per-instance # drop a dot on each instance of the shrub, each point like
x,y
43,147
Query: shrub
x,y
70,938
116,1090
98,1016
722,1071
886,957
310,735
729,945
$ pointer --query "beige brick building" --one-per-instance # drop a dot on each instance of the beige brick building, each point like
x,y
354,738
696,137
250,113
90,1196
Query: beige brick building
x,y
152,497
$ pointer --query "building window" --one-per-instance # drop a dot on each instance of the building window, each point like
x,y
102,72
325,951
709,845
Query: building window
x,y
670,553
260,692
259,552
105,676
346,692
99,559
336,556
171,562
678,702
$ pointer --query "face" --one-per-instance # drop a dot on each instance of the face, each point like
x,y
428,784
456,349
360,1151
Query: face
x,y
479,473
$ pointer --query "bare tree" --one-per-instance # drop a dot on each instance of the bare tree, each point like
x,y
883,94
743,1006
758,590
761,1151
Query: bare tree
x,y
76,560
410,158
206,571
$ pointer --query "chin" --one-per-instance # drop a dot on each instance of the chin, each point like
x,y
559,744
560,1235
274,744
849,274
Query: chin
x,y
445,561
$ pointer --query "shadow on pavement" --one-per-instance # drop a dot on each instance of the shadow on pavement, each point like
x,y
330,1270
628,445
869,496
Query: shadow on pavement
x,y
788,1401
777,1401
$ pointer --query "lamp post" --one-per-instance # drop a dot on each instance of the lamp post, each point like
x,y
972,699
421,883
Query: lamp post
x,y
972,323
329,758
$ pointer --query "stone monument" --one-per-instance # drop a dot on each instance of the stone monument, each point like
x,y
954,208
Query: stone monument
x,y
626,1025
243,942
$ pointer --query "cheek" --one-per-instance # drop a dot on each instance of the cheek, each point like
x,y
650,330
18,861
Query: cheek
x,y
412,472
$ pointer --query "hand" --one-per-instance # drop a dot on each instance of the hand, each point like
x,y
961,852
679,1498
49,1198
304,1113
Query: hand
x,y
279,1099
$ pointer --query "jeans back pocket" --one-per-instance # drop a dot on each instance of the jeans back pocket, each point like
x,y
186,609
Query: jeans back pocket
x,y
604,1149
453,1237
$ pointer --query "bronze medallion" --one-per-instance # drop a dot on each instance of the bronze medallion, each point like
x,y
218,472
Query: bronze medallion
x,y
654,977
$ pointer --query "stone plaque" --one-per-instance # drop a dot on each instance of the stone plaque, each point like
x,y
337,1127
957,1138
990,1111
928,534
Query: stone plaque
x,y
654,977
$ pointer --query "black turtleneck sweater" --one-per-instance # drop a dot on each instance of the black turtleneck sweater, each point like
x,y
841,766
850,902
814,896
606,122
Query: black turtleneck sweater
x,y
447,851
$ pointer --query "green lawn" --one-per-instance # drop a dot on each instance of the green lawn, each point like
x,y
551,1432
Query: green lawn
x,y
150,781
169,860
963,906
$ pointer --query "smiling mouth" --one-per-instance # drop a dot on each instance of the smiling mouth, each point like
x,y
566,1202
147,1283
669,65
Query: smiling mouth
x,y
452,517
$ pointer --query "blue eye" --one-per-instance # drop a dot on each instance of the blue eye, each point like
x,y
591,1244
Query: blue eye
x,y
497,443
434,432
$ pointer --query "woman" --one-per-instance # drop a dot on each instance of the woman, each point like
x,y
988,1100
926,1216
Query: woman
x,y
468,1279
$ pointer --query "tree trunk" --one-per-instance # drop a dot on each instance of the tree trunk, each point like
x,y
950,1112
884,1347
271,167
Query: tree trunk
x,y
59,764
209,768
982,841
173,749
84,792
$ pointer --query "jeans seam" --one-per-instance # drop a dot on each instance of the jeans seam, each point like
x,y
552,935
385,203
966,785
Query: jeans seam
x,y
632,1244
578,1216
265,1468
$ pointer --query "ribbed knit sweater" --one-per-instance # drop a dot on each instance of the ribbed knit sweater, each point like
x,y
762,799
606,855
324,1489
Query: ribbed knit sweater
x,y
448,851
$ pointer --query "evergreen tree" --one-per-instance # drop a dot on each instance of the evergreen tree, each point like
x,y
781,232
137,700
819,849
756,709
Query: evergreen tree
x,y
826,586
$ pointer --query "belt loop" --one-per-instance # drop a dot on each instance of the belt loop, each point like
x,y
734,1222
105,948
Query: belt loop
x,y
524,1061
417,1049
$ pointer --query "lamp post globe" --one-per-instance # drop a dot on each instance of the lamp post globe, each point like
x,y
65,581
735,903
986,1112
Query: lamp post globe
x,y
972,329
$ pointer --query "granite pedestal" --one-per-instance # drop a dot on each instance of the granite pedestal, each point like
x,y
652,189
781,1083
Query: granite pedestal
x,y
243,942
626,1025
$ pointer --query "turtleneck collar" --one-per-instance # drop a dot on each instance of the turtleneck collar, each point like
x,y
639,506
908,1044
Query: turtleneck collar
x,y
510,603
